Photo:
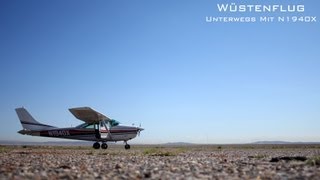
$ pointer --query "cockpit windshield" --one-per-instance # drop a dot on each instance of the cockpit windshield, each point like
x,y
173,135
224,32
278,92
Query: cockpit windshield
x,y
113,122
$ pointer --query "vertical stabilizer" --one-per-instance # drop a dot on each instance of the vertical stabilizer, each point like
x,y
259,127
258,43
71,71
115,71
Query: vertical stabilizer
x,y
28,122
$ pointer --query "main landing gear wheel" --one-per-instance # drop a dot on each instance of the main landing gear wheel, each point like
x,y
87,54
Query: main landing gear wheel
x,y
127,146
96,145
104,145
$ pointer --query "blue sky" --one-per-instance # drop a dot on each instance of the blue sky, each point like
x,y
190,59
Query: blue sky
x,y
160,64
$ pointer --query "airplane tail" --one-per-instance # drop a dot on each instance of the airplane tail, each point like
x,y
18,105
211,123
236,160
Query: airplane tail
x,y
29,123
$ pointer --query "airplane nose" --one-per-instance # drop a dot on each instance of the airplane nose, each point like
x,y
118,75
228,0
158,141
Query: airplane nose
x,y
23,132
139,129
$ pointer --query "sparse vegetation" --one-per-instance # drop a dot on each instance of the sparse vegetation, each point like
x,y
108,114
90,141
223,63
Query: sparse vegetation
x,y
3,149
90,152
314,161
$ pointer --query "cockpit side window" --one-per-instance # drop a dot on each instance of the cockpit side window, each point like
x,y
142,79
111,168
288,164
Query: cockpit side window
x,y
89,126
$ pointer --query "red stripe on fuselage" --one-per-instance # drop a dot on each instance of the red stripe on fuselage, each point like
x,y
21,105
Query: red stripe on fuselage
x,y
73,132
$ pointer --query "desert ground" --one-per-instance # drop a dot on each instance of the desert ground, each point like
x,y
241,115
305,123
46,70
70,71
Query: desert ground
x,y
161,162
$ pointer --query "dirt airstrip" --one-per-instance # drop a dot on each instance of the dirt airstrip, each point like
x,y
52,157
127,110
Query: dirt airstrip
x,y
161,162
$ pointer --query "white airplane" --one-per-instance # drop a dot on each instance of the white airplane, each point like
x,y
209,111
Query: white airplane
x,y
97,127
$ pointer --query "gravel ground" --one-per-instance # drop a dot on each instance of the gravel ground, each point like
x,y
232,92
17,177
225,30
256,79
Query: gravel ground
x,y
143,162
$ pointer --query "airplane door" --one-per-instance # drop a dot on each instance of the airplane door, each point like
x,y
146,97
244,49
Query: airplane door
x,y
97,131
103,131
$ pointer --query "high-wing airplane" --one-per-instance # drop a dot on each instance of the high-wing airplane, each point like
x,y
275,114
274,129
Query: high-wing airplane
x,y
96,127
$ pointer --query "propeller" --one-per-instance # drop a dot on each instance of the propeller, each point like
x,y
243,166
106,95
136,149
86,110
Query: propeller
x,y
139,129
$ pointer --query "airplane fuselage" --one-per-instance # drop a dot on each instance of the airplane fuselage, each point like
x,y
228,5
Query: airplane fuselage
x,y
117,133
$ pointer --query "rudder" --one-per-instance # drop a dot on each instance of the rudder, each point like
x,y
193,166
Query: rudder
x,y
28,122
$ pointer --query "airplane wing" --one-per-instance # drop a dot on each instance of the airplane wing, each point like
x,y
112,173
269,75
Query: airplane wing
x,y
88,115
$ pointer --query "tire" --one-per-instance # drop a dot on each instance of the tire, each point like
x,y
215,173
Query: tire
x,y
104,146
96,145
127,146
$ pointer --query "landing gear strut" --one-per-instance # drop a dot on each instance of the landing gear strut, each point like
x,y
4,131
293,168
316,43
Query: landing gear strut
x,y
96,145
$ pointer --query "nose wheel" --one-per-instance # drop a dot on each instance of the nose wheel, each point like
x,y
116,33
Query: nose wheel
x,y
127,146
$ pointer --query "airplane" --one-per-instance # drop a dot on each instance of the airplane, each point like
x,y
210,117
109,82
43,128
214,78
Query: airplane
x,y
96,127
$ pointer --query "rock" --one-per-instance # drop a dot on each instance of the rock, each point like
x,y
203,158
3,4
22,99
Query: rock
x,y
288,158
118,166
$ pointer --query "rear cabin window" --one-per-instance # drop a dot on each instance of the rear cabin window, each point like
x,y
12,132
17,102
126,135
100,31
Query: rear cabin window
x,y
89,126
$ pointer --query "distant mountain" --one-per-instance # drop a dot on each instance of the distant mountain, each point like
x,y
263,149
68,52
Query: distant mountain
x,y
178,144
283,142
